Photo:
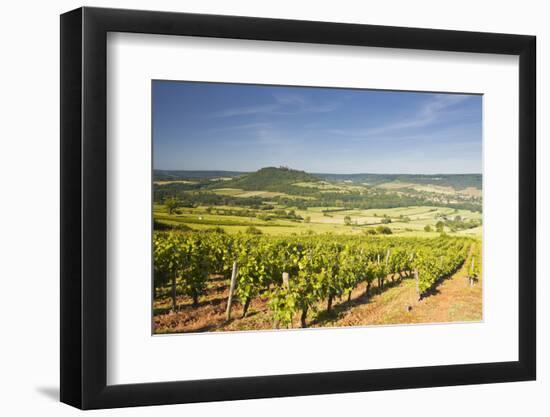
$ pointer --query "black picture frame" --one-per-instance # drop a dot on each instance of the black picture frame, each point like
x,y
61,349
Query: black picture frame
x,y
84,207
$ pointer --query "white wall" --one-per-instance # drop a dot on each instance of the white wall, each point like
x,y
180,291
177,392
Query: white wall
x,y
29,237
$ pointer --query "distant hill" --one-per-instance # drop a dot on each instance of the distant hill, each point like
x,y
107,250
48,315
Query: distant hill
x,y
174,175
457,181
270,179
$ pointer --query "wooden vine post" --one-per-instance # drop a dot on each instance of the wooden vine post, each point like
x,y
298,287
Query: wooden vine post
x,y
378,277
174,294
231,290
387,260
417,284
472,269
286,283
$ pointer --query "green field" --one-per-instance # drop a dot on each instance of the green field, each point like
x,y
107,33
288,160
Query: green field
x,y
333,222
282,201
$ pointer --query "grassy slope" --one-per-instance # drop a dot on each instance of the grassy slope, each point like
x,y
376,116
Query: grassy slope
x,y
270,179
319,223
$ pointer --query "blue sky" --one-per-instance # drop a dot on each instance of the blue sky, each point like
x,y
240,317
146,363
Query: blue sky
x,y
210,126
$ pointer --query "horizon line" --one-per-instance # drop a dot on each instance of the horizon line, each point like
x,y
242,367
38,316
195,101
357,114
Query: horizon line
x,y
313,173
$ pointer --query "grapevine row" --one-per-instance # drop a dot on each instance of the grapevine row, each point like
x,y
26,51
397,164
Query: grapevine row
x,y
321,267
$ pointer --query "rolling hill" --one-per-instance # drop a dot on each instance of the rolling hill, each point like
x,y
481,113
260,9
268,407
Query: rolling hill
x,y
456,181
271,177
175,175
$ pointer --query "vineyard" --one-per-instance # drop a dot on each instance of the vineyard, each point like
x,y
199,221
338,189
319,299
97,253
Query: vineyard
x,y
298,275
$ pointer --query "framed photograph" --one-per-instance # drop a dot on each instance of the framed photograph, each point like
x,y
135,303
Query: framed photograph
x,y
258,207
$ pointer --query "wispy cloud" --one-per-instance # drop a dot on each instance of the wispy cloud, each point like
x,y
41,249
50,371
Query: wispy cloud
x,y
243,126
427,114
283,104
290,98
243,111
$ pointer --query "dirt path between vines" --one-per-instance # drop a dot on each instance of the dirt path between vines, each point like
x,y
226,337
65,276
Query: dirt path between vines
x,y
453,300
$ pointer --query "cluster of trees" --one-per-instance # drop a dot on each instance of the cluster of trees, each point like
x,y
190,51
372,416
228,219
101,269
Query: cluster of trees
x,y
457,223
374,199
162,191
379,230
383,230
193,195
264,212
208,198
231,212
280,214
